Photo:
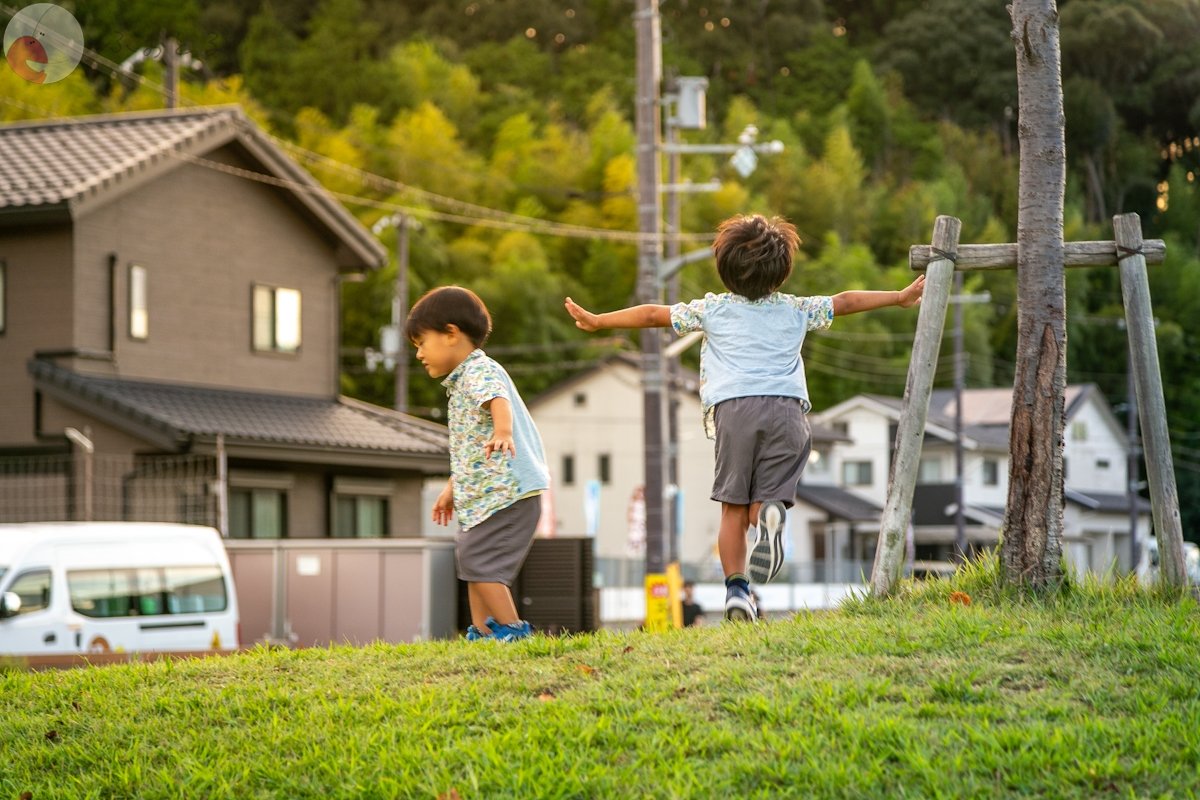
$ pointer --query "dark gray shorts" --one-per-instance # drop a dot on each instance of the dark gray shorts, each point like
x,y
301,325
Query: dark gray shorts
x,y
494,550
762,446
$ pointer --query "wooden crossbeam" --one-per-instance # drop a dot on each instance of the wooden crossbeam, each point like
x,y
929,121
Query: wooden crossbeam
x,y
1004,256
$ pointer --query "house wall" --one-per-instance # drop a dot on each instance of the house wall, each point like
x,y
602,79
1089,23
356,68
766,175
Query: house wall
x,y
869,432
1086,456
38,316
205,238
610,421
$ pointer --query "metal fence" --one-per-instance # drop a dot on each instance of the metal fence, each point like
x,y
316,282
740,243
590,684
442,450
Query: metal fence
x,y
631,572
96,486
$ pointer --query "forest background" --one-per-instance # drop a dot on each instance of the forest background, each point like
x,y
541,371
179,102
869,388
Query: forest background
x,y
500,124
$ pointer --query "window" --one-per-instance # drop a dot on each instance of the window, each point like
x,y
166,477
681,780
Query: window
x,y
361,507
3,296
147,591
604,467
276,319
841,428
991,472
568,470
257,513
929,470
1102,463
34,590
360,516
139,315
580,399
856,473
1079,431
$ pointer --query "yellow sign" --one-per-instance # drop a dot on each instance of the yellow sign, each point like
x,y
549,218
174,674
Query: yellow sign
x,y
658,603
664,599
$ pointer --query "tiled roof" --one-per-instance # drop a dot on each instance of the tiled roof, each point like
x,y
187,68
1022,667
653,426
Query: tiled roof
x,y
1105,502
59,160
298,420
838,502
67,162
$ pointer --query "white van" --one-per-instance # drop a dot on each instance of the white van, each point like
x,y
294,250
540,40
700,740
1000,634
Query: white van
x,y
101,587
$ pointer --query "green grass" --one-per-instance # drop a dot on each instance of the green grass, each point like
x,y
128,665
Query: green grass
x,y
1094,692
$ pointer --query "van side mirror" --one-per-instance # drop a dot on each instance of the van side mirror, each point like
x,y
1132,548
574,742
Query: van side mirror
x,y
10,605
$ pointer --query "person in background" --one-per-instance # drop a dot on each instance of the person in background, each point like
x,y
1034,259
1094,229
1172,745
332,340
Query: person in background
x,y
693,614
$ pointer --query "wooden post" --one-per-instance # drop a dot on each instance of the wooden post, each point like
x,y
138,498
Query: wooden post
x,y
889,551
1143,351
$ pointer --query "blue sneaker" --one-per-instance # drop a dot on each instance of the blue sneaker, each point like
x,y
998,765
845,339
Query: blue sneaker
x,y
510,632
475,635
739,605
766,557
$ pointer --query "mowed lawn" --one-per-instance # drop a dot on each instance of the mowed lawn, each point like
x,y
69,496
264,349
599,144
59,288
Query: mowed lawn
x,y
1092,693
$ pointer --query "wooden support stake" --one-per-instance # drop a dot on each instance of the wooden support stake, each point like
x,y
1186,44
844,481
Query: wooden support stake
x,y
1152,411
1004,256
897,514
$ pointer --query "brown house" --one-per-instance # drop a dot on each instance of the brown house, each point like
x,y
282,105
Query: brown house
x,y
169,318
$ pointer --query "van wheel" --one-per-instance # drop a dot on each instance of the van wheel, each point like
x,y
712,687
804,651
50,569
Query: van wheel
x,y
99,645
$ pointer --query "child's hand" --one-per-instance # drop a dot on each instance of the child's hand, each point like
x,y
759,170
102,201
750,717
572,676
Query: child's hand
x,y
500,443
443,507
584,319
911,294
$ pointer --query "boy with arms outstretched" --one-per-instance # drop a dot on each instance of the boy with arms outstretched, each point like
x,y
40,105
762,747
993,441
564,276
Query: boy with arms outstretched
x,y
752,385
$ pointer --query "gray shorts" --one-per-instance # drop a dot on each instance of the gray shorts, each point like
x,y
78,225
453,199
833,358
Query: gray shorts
x,y
494,550
762,446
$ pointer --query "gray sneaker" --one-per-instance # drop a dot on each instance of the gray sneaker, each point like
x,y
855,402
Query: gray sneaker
x,y
766,556
739,605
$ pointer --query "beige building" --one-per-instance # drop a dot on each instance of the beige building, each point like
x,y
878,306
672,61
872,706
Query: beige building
x,y
169,301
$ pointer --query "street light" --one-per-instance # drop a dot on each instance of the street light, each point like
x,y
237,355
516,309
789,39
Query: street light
x,y
391,337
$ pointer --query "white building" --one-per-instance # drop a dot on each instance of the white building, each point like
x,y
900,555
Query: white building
x,y
1096,520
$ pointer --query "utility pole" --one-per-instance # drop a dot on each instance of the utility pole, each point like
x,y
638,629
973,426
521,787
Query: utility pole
x,y
960,380
171,68
400,311
649,71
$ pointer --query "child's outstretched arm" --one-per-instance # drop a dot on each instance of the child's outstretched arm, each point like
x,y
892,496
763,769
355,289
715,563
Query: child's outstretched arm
x,y
644,316
856,301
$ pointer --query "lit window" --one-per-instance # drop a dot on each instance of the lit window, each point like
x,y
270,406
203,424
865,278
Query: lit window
x,y
276,319
139,314
1079,431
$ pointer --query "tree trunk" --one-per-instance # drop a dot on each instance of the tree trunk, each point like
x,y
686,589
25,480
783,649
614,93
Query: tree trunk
x,y
1032,540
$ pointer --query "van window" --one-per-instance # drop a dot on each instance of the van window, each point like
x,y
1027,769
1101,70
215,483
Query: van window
x,y
149,591
34,590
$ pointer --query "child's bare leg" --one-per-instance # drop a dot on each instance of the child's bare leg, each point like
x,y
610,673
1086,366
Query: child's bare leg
x,y
490,600
731,538
732,546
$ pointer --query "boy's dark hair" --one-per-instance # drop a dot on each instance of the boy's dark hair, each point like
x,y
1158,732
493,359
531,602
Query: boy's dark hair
x,y
440,308
754,254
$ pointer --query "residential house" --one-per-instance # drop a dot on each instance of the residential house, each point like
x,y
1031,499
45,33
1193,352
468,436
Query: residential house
x,y
1097,515
169,336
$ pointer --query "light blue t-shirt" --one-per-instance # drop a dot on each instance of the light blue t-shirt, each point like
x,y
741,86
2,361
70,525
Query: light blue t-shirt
x,y
751,348
483,485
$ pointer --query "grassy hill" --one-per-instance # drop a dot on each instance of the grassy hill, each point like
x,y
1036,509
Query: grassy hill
x,y
1093,693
